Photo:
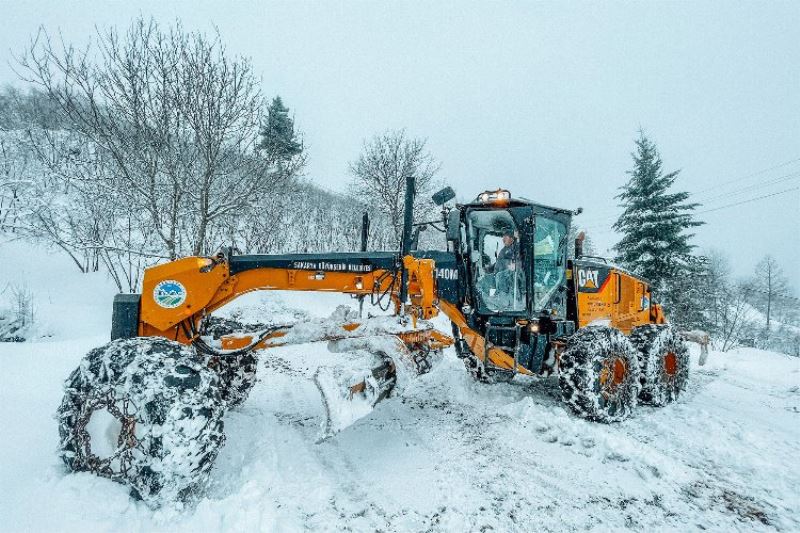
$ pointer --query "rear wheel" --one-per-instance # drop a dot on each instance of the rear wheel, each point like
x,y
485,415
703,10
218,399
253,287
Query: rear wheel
x,y
144,412
599,374
664,363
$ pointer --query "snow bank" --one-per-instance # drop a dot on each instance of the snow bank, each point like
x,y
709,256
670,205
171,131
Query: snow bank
x,y
67,304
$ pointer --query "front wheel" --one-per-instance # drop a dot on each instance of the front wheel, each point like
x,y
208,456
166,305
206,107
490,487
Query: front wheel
x,y
237,375
599,374
144,412
237,372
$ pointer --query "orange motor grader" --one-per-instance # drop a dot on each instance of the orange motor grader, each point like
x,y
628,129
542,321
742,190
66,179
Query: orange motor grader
x,y
516,303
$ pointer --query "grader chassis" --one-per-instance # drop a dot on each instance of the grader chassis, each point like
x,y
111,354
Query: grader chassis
x,y
163,383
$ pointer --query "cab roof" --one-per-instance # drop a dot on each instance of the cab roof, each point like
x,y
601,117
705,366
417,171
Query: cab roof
x,y
517,201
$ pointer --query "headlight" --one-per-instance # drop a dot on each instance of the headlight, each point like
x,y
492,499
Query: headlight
x,y
500,196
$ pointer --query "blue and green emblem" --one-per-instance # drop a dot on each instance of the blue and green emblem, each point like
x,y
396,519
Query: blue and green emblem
x,y
169,294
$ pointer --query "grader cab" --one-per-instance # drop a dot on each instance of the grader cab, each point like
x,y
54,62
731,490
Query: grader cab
x,y
517,305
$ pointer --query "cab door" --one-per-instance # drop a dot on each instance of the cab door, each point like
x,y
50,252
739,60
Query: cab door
x,y
626,303
631,307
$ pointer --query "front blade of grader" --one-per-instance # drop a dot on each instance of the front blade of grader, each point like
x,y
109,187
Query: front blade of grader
x,y
374,358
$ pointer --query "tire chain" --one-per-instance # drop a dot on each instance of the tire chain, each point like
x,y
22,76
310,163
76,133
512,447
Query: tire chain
x,y
127,437
422,358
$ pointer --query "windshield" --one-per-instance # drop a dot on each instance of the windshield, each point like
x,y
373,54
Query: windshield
x,y
548,250
495,258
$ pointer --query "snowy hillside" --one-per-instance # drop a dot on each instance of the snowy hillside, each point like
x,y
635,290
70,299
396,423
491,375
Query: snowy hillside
x,y
447,454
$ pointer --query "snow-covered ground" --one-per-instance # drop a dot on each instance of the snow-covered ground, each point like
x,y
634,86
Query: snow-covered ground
x,y
446,454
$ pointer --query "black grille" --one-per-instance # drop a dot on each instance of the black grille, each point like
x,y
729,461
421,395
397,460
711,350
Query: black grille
x,y
502,337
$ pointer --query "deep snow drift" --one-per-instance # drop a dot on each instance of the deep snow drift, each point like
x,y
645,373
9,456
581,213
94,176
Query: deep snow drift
x,y
444,454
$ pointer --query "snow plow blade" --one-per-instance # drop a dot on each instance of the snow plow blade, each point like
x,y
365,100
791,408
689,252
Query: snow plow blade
x,y
349,398
374,357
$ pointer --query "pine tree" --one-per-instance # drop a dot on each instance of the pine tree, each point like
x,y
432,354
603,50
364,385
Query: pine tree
x,y
689,296
279,142
654,224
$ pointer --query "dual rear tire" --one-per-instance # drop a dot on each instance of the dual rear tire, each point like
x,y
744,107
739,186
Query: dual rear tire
x,y
599,374
663,363
604,374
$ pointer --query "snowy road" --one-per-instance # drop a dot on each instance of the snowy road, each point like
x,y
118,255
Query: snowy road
x,y
447,454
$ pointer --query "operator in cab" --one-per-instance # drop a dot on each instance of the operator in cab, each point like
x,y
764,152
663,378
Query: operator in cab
x,y
508,257
507,263
502,285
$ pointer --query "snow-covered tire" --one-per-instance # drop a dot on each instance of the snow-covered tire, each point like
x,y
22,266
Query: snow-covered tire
x,y
237,372
144,412
663,362
599,374
237,375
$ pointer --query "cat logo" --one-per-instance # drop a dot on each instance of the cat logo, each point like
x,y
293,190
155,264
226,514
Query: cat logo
x,y
587,279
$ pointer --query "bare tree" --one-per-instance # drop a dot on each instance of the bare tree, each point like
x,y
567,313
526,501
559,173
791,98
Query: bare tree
x,y
717,287
588,242
770,285
173,119
17,313
379,176
737,325
14,182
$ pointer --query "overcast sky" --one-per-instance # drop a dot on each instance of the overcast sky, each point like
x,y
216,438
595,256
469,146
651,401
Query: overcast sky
x,y
544,99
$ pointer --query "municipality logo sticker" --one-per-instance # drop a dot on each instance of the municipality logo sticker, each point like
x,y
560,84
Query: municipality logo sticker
x,y
169,293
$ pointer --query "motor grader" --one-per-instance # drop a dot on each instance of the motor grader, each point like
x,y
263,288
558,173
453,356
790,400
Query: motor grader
x,y
147,409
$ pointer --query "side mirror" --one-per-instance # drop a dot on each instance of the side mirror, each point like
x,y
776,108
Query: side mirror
x,y
454,225
443,196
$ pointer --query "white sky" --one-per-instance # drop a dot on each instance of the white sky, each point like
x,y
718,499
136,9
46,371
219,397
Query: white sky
x,y
544,99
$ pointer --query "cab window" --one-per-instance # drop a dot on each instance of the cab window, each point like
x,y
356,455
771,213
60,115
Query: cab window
x,y
496,261
548,252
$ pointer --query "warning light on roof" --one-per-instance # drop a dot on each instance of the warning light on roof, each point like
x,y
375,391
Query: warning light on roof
x,y
500,196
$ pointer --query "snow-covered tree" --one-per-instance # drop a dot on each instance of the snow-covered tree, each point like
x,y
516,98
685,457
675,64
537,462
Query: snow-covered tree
x,y
771,287
278,139
22,109
280,145
688,295
655,224
739,323
379,176
175,119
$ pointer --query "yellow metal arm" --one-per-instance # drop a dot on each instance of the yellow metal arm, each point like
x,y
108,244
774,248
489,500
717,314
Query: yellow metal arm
x,y
207,284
